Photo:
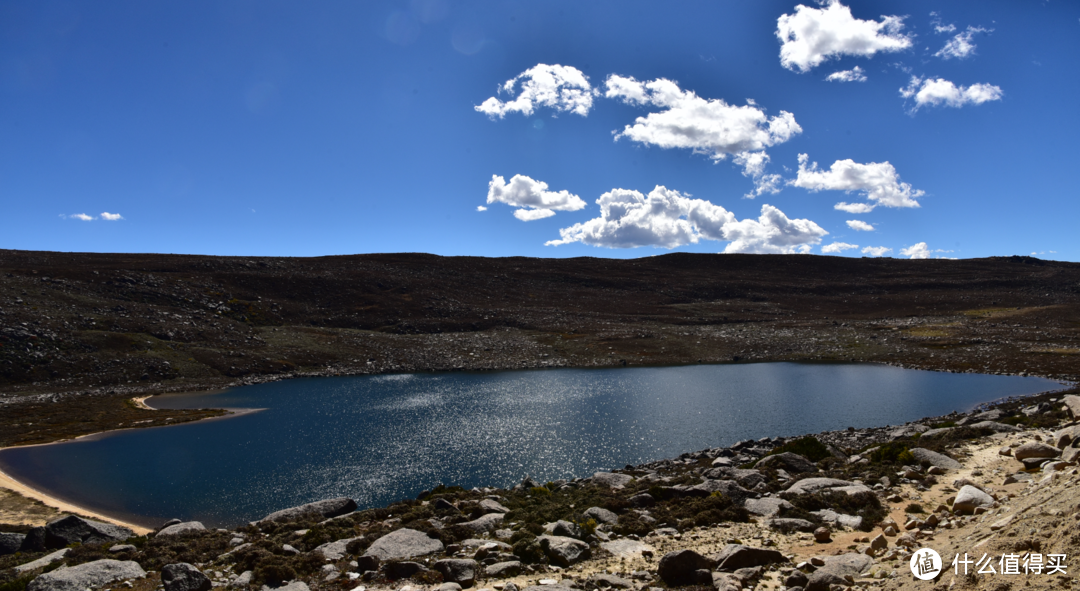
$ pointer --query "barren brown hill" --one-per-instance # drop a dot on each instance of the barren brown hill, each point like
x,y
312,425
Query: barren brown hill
x,y
100,328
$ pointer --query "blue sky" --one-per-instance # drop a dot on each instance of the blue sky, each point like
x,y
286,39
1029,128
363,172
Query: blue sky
x,y
616,129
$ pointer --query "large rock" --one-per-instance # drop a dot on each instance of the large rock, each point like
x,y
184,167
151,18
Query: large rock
x,y
1065,437
1072,405
182,576
563,551
624,548
1035,449
728,488
180,528
35,540
317,510
43,561
745,478
334,550
933,458
969,497
813,485
503,570
565,528
291,586
606,581
767,506
736,556
995,427
70,529
402,570
787,525
601,515
403,543
832,517
852,564
823,580
484,524
611,479
936,432
10,543
87,576
460,571
683,567
492,506
790,462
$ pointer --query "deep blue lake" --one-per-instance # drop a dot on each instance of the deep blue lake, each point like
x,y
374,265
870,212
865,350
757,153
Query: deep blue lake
x,y
379,439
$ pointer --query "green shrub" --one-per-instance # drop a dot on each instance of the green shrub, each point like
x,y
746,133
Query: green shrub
x,y
809,447
890,453
914,508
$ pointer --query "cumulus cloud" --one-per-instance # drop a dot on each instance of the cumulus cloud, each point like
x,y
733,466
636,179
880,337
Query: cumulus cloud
x,y
80,216
814,35
837,247
112,217
855,74
531,196
860,226
706,126
876,251
668,218
877,181
562,88
481,208
916,251
961,46
938,91
753,165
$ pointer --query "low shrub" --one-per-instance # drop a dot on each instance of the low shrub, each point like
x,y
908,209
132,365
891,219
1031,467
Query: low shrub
x,y
809,447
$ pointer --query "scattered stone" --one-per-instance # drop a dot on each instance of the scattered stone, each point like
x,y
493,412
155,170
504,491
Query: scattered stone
x,y
642,500
320,509
492,506
70,529
601,515
563,551
788,525
334,550
117,548
933,458
612,581
1066,436
566,529
791,462
455,570
179,528
682,567
484,524
503,570
822,535
1036,450
43,561
184,577
611,479
627,548
403,543
11,543
736,556
87,576
830,516
813,485
879,542
822,580
767,506
1072,405
969,498
402,570
243,580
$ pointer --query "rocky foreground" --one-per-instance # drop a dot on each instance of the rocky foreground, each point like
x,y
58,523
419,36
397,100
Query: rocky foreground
x,y
831,511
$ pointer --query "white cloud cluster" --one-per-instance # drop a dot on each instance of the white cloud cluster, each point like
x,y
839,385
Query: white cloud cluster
x,y
916,251
855,74
938,91
109,217
668,219
961,45
876,251
814,35
531,197
878,181
860,226
939,28
706,126
837,247
563,88
753,165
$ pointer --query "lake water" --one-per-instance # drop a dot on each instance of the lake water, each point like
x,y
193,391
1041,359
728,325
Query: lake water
x,y
379,439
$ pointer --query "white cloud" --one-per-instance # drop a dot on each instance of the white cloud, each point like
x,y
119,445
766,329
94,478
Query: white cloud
x,y
563,88
916,251
860,226
706,126
855,74
531,196
667,218
837,247
814,35
112,217
481,208
961,45
938,91
81,216
753,164
876,251
877,181
935,20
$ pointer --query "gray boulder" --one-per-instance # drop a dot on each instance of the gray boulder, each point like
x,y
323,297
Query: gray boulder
x,y
11,543
611,479
70,529
936,432
969,497
767,506
484,524
995,427
601,515
787,525
1036,450
291,586
493,506
180,528
503,570
35,540
403,543
334,550
933,458
604,580
790,462
642,500
624,548
43,561
683,567
563,551
1065,437
832,517
813,485
87,576
182,576
318,510
566,529
851,564
823,580
460,571
402,570
728,488
736,556
1072,405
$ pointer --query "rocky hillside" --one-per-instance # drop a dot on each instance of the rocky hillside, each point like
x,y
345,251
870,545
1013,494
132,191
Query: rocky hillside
x,y
830,511
81,334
